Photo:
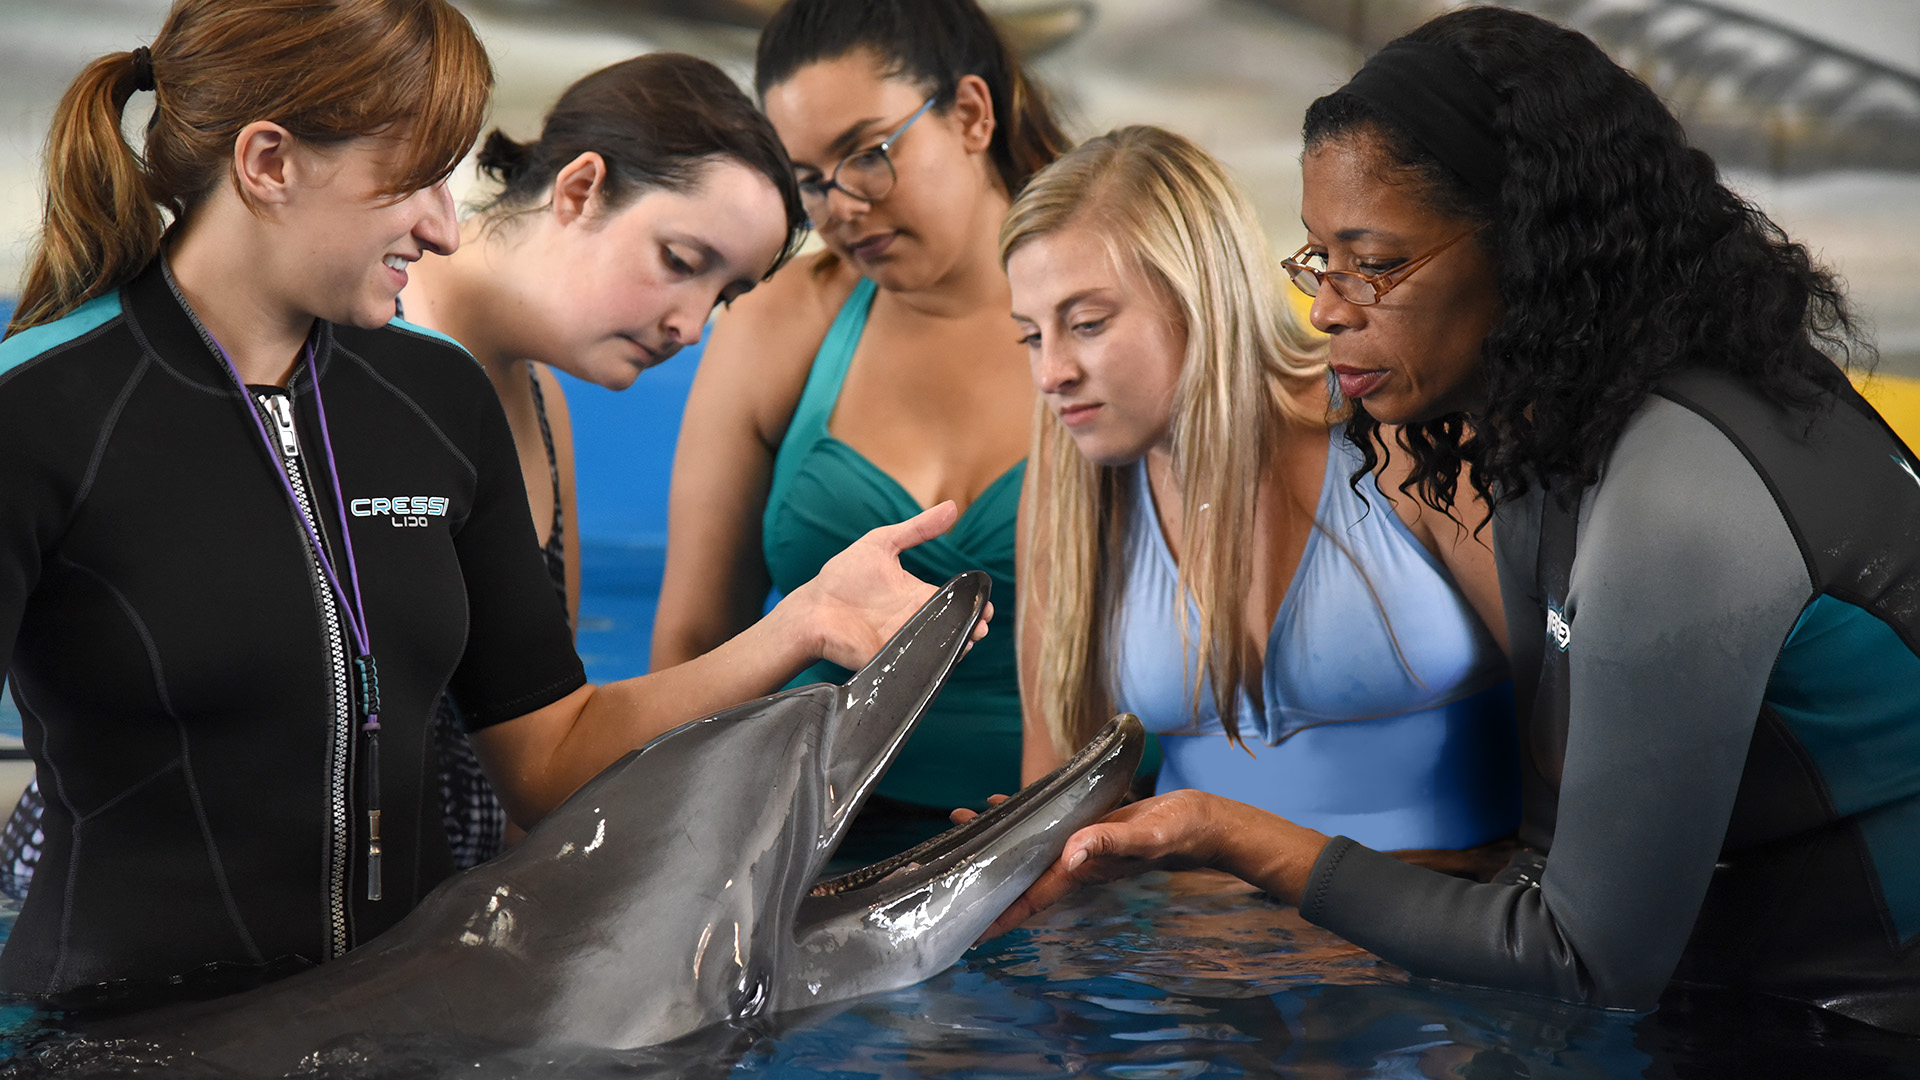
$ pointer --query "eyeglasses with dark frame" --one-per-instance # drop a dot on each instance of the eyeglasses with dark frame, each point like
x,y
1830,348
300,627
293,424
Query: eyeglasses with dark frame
x,y
1354,286
866,175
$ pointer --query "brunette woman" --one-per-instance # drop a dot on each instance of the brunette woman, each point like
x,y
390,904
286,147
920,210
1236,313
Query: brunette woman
x,y
1706,545
878,376
655,191
254,525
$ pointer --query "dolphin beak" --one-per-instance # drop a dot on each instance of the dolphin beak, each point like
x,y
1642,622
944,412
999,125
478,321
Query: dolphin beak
x,y
907,917
880,706
1076,794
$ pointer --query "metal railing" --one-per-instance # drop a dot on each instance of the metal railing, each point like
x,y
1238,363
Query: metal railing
x,y
1754,92
1751,91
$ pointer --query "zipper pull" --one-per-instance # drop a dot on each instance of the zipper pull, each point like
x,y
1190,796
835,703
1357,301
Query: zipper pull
x,y
367,700
375,888
281,409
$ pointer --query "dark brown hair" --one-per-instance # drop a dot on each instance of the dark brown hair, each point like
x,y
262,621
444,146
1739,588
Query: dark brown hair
x,y
934,42
657,121
326,70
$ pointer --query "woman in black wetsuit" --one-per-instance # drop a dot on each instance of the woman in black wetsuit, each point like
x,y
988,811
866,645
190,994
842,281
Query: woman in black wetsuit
x,y
1708,543
253,525
598,236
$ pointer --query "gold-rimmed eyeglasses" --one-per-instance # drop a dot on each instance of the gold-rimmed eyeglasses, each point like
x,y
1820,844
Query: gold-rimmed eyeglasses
x,y
866,175
1354,286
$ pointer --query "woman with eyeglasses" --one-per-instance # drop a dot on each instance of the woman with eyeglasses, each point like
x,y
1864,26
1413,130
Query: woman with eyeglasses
x,y
1339,660
1708,545
880,375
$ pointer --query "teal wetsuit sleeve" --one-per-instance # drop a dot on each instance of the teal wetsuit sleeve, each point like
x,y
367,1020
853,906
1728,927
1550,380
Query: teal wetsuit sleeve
x,y
1687,581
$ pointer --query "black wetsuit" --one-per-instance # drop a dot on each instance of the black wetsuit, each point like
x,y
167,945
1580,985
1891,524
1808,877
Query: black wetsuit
x,y
177,658
476,823
1720,726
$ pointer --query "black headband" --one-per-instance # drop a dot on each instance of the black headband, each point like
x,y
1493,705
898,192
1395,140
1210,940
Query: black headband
x,y
1442,104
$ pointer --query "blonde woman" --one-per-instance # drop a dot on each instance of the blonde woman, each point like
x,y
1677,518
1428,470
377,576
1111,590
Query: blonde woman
x,y
1200,546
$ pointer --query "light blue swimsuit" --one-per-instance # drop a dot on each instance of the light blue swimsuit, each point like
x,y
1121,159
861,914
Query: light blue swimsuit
x,y
1389,712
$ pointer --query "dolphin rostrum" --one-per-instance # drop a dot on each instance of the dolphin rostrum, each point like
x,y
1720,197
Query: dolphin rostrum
x,y
680,888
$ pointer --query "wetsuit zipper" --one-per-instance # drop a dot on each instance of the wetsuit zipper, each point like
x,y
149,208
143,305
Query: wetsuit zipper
x,y
280,417
279,411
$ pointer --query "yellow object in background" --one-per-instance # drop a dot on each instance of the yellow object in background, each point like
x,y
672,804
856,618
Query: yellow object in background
x,y
1896,396
1898,399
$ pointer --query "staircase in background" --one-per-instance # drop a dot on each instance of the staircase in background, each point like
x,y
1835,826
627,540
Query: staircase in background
x,y
1753,92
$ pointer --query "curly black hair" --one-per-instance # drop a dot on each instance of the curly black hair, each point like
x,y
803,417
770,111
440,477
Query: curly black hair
x,y
1621,257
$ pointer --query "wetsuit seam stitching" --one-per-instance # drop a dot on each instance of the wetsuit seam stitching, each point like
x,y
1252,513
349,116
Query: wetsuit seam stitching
x,y
532,694
63,941
1326,877
1862,853
148,349
1871,607
413,405
184,760
1766,478
108,426
87,338
128,791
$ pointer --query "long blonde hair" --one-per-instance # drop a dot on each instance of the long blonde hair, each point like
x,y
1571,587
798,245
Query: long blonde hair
x,y
1170,211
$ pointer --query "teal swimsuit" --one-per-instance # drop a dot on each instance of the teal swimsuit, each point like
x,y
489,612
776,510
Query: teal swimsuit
x,y
825,495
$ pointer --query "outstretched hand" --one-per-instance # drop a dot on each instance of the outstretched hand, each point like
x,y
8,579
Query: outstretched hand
x,y
1166,832
862,596
1181,830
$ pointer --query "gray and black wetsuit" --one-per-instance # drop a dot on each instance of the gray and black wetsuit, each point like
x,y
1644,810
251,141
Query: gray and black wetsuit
x,y
179,663
1720,702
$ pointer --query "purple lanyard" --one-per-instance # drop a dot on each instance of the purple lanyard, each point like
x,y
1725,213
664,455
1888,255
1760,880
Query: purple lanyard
x,y
366,674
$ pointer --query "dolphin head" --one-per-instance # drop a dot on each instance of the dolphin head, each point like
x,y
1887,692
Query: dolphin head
x,y
699,903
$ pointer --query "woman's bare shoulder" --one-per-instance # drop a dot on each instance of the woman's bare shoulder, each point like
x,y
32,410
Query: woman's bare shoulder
x,y
762,346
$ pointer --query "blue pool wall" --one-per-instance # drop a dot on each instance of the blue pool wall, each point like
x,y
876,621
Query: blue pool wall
x,y
623,453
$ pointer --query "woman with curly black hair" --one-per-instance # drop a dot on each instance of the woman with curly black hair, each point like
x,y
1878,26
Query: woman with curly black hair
x,y
1709,545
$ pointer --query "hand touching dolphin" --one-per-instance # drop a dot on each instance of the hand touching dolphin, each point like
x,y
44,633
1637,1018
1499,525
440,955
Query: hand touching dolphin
x,y
680,887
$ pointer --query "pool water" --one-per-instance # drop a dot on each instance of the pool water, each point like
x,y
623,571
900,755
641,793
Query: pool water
x,y
1163,977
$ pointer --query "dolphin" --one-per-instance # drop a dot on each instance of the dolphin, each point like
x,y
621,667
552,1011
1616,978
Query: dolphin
x,y
678,889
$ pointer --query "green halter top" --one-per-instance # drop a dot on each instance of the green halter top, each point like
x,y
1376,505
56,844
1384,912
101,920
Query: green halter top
x,y
825,495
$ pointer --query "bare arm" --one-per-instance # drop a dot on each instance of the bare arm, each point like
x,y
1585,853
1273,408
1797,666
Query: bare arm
x,y
754,367
844,615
